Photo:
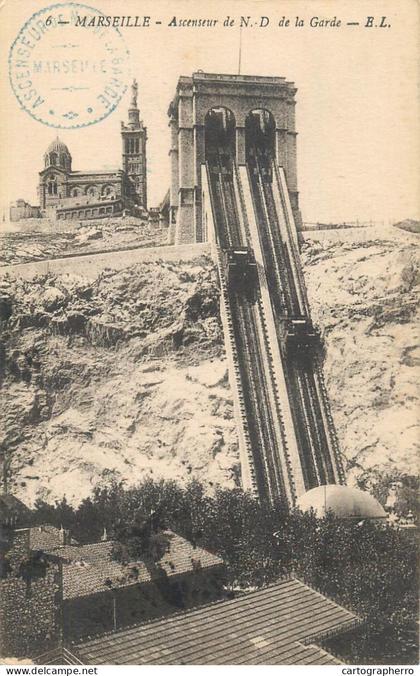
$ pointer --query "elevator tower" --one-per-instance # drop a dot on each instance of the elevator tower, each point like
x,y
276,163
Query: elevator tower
x,y
238,96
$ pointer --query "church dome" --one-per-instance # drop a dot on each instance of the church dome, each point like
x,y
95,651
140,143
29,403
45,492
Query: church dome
x,y
345,502
58,155
58,146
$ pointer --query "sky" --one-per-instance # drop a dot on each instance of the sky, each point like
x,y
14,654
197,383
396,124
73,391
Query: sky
x,y
357,112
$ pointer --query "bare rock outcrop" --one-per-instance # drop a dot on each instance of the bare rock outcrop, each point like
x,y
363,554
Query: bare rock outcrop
x,y
125,376
122,377
364,297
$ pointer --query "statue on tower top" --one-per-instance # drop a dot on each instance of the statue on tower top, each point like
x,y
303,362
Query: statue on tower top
x,y
134,94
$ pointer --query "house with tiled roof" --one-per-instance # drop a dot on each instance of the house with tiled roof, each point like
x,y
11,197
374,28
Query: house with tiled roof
x,y
283,623
46,537
102,593
63,588
88,604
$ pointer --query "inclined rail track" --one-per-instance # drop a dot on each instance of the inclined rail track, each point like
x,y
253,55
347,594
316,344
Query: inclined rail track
x,y
238,379
283,458
282,288
318,448
260,405
259,399
323,418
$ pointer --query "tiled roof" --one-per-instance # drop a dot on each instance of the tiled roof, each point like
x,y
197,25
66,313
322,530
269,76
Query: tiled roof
x,y
45,537
274,625
87,567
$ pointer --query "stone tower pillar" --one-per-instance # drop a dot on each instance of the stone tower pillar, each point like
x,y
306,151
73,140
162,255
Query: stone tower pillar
x,y
195,96
134,160
174,186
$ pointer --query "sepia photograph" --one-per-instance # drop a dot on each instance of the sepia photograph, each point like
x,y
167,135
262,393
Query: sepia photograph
x,y
209,335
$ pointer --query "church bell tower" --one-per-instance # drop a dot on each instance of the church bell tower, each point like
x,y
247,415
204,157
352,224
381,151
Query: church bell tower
x,y
134,137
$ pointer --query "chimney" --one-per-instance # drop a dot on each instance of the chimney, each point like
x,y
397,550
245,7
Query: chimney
x,y
64,536
104,536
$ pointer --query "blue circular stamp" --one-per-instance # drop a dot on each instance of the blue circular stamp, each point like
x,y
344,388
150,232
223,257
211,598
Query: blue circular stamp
x,y
69,67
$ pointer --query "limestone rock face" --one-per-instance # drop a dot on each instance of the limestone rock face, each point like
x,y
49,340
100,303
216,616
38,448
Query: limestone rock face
x,y
139,421
125,376
52,298
121,378
364,297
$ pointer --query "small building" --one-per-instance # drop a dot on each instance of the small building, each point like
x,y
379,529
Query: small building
x,y
160,215
283,623
55,589
55,594
101,594
21,209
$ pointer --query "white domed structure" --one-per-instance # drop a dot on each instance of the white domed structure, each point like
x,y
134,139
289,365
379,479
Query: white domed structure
x,y
345,502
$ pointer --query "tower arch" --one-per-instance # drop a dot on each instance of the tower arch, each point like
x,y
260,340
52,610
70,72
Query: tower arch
x,y
260,133
91,190
108,191
219,132
188,112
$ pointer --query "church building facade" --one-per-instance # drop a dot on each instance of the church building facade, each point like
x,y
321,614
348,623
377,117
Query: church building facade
x,y
66,194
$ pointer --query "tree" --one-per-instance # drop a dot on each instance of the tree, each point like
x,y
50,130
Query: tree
x,y
367,567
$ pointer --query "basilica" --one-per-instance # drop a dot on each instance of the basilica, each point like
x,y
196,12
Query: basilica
x,y
65,194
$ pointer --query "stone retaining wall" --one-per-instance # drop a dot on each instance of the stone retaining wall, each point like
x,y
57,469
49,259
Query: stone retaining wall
x,y
91,265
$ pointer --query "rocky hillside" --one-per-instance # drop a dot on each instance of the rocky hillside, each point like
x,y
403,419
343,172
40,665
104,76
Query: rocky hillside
x,y
106,379
409,224
364,297
125,376
39,239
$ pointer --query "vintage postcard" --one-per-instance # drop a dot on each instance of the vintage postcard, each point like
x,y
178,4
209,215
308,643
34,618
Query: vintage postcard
x,y
209,350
